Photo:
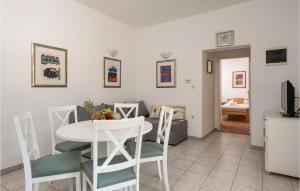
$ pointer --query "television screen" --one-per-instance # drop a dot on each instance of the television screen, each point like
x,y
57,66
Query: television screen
x,y
288,98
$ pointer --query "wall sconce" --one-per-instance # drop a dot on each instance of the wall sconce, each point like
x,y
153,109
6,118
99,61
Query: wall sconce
x,y
165,55
112,52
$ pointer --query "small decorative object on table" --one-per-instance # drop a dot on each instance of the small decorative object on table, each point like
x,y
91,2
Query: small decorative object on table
x,y
225,39
103,114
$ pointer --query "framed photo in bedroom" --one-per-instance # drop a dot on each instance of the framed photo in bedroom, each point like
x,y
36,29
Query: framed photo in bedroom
x,y
166,74
225,39
239,79
48,66
112,73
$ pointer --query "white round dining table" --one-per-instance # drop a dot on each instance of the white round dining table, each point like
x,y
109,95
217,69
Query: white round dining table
x,y
83,132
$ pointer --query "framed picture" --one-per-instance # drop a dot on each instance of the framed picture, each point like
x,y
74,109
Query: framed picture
x,y
225,39
239,79
49,66
166,74
276,56
112,73
209,66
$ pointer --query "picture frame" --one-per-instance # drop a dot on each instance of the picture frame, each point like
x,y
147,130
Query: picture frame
x,y
48,66
112,72
166,74
276,56
239,79
209,66
224,39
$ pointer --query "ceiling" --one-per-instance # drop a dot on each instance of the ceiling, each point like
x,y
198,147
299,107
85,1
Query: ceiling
x,y
143,13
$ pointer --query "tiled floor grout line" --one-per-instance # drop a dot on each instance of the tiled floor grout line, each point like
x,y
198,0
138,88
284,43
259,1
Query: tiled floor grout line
x,y
238,167
216,162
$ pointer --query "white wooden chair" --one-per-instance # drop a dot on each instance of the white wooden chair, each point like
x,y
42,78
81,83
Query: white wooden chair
x,y
155,151
127,110
59,116
46,168
115,171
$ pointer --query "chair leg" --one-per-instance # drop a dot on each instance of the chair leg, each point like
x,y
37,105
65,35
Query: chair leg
x,y
71,186
78,180
159,169
165,171
36,187
83,183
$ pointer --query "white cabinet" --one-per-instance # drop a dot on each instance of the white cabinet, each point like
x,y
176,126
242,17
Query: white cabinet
x,y
282,145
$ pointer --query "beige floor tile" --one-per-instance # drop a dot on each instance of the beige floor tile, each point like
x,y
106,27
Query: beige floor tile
x,y
222,174
227,166
250,181
230,159
14,184
250,171
193,178
277,179
175,173
206,161
147,187
217,184
295,183
145,178
3,188
159,183
181,164
188,157
12,176
200,169
239,187
184,186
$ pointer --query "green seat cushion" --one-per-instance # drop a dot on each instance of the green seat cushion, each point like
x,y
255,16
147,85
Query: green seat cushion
x,y
149,149
68,146
57,164
110,178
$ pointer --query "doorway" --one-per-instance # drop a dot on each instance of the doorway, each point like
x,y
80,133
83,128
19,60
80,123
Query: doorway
x,y
234,94
212,96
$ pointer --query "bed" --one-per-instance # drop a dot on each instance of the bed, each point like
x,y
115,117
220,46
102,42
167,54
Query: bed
x,y
236,106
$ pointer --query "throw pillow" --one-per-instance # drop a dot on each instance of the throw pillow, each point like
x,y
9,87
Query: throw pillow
x,y
155,111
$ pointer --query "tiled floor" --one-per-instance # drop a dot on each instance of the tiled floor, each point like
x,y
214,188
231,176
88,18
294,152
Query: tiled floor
x,y
222,162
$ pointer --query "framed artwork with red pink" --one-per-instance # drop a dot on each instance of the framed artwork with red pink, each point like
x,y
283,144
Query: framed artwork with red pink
x,y
112,73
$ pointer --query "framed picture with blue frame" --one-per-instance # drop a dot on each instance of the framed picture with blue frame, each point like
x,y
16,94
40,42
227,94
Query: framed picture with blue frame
x,y
112,73
166,74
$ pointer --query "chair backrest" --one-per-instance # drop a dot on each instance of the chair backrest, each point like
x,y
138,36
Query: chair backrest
x,y
117,132
27,140
126,109
164,126
58,117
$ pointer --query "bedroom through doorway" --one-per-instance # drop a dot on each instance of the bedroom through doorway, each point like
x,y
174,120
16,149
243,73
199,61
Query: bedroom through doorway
x,y
234,95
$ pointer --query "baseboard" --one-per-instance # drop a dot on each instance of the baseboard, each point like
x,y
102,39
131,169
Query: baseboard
x,y
11,169
256,147
201,138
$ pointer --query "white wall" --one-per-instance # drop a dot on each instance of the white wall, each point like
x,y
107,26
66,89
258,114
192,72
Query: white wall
x,y
261,23
87,34
228,66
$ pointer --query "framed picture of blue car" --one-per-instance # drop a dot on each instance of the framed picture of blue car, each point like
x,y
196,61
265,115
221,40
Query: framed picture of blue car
x,y
166,74
49,66
112,73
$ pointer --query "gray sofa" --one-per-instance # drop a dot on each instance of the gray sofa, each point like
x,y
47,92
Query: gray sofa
x,y
178,128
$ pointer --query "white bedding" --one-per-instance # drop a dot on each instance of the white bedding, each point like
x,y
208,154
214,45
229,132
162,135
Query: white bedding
x,y
235,105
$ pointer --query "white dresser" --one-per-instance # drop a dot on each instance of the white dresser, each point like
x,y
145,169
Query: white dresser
x,y
282,144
